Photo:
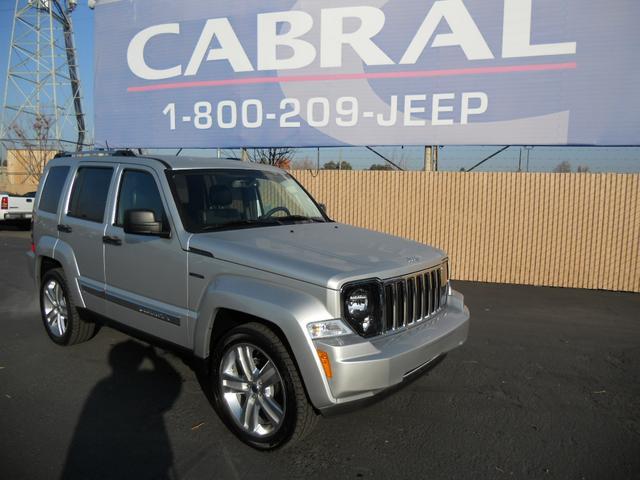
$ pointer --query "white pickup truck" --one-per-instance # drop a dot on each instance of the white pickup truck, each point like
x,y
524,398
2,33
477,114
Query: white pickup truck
x,y
16,207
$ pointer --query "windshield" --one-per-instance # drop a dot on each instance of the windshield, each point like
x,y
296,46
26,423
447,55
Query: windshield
x,y
211,200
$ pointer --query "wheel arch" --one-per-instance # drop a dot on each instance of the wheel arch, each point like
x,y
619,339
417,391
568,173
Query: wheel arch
x,y
44,255
232,301
46,264
64,256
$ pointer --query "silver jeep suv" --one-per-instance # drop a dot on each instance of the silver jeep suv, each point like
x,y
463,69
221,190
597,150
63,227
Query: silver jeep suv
x,y
292,313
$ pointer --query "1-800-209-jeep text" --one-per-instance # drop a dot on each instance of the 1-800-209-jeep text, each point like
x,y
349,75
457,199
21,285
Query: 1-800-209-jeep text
x,y
293,314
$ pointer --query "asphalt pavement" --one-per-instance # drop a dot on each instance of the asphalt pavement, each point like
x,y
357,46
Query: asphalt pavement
x,y
548,386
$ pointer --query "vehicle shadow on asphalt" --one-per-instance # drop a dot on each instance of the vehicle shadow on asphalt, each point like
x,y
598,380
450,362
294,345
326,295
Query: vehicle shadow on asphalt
x,y
15,226
121,431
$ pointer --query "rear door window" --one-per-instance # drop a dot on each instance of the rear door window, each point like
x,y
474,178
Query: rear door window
x,y
50,197
89,195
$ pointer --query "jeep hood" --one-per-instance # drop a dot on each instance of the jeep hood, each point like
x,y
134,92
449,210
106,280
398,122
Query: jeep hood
x,y
324,254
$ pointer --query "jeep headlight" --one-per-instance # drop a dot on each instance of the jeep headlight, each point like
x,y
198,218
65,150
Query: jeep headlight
x,y
361,307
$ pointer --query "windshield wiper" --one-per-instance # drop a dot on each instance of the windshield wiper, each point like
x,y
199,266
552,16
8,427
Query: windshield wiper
x,y
241,223
299,218
262,222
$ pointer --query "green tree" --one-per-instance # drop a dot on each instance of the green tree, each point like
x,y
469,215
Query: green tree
x,y
380,167
335,166
563,167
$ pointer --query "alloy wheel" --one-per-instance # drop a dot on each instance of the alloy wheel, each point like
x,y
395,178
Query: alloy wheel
x,y
55,308
252,389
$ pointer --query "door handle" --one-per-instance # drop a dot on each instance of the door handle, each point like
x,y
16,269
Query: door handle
x,y
111,240
64,228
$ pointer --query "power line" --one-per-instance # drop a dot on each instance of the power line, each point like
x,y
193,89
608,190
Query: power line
x,y
488,158
384,158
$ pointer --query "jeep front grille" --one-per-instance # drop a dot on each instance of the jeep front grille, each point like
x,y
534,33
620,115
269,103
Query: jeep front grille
x,y
411,299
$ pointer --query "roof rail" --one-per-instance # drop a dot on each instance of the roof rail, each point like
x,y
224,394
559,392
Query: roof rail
x,y
99,152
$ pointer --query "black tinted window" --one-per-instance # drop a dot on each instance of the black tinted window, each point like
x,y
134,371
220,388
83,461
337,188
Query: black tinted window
x,y
89,194
53,189
138,191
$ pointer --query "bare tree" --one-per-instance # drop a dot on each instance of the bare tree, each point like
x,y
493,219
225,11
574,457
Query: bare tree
x,y
397,158
583,169
304,164
32,145
278,157
562,167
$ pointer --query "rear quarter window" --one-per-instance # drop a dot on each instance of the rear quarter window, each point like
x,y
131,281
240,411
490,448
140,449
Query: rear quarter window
x,y
52,189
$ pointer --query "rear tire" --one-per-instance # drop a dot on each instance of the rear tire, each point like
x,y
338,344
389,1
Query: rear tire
x,y
59,313
284,415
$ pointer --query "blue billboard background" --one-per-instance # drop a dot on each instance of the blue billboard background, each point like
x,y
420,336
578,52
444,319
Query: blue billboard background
x,y
587,95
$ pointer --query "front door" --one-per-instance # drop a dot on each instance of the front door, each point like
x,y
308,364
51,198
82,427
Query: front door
x,y
146,275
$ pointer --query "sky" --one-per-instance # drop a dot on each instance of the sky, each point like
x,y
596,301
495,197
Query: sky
x,y
452,158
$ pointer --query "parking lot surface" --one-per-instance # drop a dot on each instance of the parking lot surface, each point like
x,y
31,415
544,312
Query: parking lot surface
x,y
548,386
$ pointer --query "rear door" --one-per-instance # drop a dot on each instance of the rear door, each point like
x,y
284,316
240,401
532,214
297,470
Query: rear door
x,y
146,276
82,226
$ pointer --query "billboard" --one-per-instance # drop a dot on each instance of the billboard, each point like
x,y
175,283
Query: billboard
x,y
213,73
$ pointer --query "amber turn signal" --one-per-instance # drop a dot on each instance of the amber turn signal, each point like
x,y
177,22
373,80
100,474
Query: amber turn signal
x,y
326,364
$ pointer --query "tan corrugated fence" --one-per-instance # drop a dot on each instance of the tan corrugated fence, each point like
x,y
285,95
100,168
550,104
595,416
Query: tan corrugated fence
x,y
568,230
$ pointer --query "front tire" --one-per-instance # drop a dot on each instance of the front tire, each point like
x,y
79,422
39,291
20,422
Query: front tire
x,y
59,314
257,390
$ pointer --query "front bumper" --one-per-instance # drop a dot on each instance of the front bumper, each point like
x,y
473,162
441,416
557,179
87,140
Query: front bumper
x,y
362,368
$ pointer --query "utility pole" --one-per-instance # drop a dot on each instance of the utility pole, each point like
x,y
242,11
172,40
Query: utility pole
x,y
520,161
431,158
528,148
42,98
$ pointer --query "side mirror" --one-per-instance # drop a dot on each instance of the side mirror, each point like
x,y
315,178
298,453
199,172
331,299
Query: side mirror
x,y
143,222
323,207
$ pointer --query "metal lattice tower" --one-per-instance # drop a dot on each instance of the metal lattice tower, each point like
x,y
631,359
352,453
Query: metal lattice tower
x,y
42,106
